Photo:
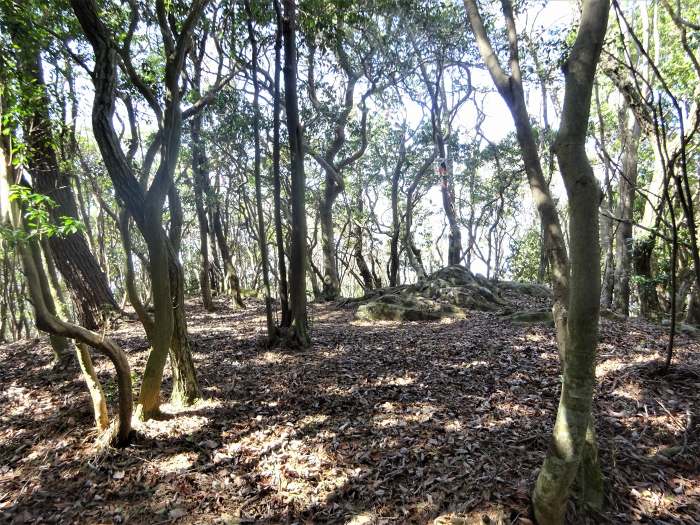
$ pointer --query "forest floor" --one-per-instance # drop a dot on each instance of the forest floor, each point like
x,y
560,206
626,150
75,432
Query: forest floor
x,y
376,423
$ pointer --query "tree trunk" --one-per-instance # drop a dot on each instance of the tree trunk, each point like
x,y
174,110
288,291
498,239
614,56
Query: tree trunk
x,y
298,334
199,172
41,299
232,284
394,261
607,235
642,254
573,427
693,314
454,248
97,395
262,231
365,273
86,281
286,319
331,281
629,137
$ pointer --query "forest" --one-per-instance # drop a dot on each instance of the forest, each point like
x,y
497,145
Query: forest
x,y
361,262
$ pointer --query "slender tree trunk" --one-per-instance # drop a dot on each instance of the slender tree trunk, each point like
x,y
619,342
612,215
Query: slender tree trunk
x,y
286,319
60,345
298,334
607,235
199,172
394,261
573,428
630,132
232,284
511,90
262,231
365,273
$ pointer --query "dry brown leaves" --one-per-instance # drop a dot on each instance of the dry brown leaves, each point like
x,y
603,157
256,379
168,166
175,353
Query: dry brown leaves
x,y
382,423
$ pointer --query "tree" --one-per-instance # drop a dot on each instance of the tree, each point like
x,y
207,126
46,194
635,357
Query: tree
x,y
299,331
167,330
572,428
576,294
27,243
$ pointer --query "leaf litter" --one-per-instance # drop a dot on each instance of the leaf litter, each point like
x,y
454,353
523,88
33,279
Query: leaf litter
x,y
386,422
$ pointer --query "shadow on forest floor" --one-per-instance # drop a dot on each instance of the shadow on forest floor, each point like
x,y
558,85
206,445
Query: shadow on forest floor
x,y
381,423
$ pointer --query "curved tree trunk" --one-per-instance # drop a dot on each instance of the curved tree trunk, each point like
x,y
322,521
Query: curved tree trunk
x,y
87,283
146,207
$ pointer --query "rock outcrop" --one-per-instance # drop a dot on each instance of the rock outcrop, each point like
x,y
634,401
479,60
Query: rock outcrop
x,y
448,292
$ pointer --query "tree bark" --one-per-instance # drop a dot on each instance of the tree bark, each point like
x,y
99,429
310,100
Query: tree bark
x,y
286,319
199,172
298,334
630,133
146,207
511,90
573,427
87,283
40,295
262,231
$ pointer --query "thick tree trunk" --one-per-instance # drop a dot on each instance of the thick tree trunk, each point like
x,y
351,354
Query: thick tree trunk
x,y
331,280
185,386
87,283
454,248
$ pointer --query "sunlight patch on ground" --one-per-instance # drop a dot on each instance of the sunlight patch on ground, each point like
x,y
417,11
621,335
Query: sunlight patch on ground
x,y
473,364
269,358
516,410
178,421
612,365
298,470
395,415
535,338
315,419
453,426
629,391
365,518
403,380
177,463
358,322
